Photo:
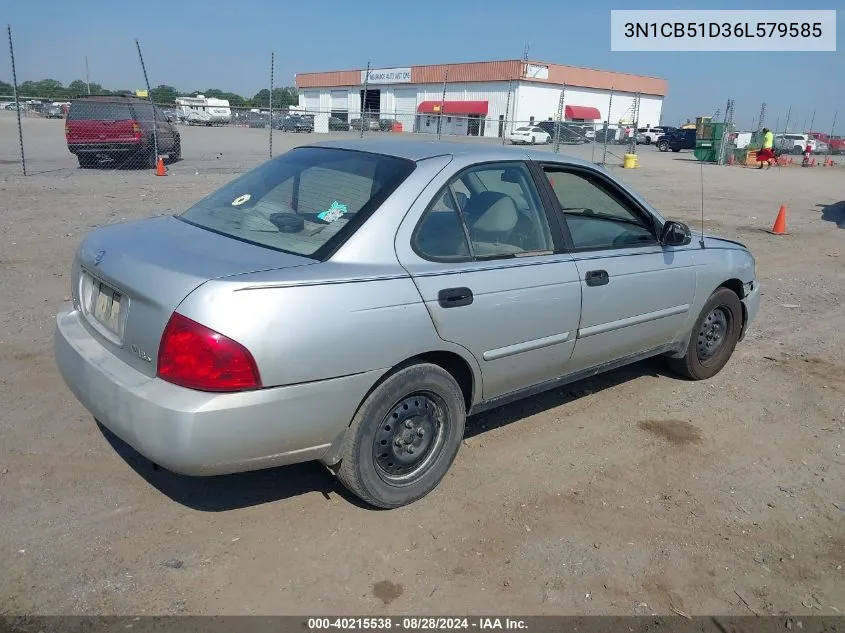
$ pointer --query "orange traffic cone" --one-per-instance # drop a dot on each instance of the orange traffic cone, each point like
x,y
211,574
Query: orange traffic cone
x,y
160,170
779,227
813,163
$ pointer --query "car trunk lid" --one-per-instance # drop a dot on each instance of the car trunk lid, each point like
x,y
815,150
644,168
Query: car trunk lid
x,y
129,278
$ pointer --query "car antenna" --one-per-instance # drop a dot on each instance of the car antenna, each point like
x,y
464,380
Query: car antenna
x,y
701,166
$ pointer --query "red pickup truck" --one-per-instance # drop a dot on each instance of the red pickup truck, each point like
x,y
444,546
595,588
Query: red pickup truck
x,y
837,143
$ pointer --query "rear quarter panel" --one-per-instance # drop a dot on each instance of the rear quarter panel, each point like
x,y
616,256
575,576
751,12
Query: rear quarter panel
x,y
325,322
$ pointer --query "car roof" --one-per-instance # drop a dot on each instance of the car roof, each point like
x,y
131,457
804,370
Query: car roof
x,y
417,150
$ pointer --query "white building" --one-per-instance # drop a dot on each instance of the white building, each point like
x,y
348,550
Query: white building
x,y
481,98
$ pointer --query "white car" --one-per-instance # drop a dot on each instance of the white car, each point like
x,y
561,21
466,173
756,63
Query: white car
x,y
651,134
530,135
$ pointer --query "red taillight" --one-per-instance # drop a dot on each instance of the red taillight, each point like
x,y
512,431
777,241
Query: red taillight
x,y
194,356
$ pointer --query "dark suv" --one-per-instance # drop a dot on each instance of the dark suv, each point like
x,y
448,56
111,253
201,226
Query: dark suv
x,y
676,140
120,129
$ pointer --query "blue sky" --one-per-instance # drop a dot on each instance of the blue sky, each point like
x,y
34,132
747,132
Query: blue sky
x,y
204,44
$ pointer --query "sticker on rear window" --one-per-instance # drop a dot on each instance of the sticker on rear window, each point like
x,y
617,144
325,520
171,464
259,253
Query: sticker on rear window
x,y
240,200
334,212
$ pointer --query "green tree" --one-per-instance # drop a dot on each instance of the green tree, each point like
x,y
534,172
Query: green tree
x,y
6,89
164,94
234,100
282,97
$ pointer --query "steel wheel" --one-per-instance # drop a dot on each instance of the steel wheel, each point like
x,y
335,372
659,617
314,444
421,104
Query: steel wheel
x,y
410,435
713,337
404,436
712,334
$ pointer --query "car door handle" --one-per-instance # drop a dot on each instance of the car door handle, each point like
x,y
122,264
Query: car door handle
x,y
454,297
597,278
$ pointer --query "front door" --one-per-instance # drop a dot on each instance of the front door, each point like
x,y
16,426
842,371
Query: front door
x,y
487,263
636,294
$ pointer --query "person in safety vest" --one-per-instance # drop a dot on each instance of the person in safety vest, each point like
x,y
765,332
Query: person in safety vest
x,y
766,153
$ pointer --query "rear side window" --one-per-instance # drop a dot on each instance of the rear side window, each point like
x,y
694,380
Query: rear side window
x,y
99,111
306,201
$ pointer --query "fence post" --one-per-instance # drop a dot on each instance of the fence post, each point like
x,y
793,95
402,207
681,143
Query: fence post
x,y
607,126
150,98
17,102
364,98
559,122
829,145
507,112
272,61
442,105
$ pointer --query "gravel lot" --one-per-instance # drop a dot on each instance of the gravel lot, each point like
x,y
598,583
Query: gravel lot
x,y
634,492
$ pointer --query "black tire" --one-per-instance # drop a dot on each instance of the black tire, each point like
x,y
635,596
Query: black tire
x,y
648,140
86,161
797,150
663,146
176,154
714,337
417,397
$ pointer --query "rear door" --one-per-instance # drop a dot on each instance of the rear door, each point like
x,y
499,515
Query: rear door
x,y
636,294
492,271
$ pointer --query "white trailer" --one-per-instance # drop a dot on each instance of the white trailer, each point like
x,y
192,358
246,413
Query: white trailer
x,y
202,110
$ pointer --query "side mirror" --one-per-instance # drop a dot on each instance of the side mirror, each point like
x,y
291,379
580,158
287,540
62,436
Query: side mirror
x,y
675,234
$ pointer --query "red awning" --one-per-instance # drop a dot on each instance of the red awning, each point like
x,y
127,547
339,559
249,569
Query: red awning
x,y
582,112
453,107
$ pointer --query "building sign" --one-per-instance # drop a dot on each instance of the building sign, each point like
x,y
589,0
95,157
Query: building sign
x,y
533,71
386,76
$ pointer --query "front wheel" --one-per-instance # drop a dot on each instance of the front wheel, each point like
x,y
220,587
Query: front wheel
x,y
714,337
663,146
404,437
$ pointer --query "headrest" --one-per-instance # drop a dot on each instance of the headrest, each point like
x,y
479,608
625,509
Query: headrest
x,y
494,212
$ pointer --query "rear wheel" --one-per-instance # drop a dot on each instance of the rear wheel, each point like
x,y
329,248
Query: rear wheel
x,y
176,155
404,437
87,161
663,146
714,337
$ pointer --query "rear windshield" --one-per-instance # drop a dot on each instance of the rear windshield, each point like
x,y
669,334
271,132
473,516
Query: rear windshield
x,y
306,201
99,110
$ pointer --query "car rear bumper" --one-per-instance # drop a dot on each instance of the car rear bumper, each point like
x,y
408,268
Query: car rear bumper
x,y
198,433
104,148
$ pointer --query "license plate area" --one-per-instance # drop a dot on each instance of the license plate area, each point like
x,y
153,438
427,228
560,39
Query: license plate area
x,y
104,307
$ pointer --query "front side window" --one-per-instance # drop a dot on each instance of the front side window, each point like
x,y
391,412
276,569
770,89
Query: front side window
x,y
303,202
486,212
596,218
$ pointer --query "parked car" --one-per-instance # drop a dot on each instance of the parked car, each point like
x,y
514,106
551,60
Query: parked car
x,y
570,133
836,144
529,134
372,124
353,301
386,125
14,106
793,143
53,112
337,124
296,123
651,134
119,129
676,140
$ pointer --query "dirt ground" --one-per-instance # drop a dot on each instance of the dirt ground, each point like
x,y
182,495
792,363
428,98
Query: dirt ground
x,y
631,493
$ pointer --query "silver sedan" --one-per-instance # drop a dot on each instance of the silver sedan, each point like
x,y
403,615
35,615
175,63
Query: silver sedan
x,y
352,302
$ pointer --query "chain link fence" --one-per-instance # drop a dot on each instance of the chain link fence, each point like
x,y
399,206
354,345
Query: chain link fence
x,y
156,129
